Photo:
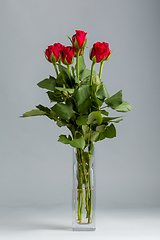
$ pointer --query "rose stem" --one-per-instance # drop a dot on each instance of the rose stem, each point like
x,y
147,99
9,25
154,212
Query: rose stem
x,y
92,67
85,178
69,71
80,189
55,67
82,197
77,63
86,187
100,71
90,188
78,204
88,200
83,172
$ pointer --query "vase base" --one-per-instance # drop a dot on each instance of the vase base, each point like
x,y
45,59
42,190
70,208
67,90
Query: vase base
x,y
83,229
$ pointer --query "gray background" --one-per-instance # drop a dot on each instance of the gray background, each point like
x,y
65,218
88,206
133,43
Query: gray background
x,y
35,169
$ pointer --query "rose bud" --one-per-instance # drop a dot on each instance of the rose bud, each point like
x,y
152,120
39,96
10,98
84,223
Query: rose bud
x,y
67,55
100,52
79,39
52,53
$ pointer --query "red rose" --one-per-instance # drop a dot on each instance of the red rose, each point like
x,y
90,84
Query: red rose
x,y
100,52
67,55
53,52
79,39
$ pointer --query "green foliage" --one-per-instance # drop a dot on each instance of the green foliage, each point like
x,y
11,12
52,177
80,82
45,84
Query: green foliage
x,y
124,107
63,111
64,139
102,93
62,68
48,83
109,132
97,82
69,90
83,93
34,112
115,100
78,143
104,112
82,120
48,112
85,106
95,117
80,102
109,119
85,76
55,96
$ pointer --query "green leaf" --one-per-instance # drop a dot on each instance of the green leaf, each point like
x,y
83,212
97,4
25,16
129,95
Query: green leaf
x,y
83,93
55,96
100,128
91,148
77,134
34,112
82,120
124,107
109,132
108,119
70,90
94,136
44,109
78,143
102,93
70,39
85,106
115,100
63,111
117,121
104,112
62,68
64,139
48,112
48,83
95,117
85,74
85,129
97,81
61,123
97,102
63,78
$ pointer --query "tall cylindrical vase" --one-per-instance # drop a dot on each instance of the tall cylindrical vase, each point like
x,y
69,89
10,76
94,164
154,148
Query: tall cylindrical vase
x,y
83,202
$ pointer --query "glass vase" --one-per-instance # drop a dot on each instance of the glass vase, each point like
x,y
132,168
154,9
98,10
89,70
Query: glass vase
x,y
83,202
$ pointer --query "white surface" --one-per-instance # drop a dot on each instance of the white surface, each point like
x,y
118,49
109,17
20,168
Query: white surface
x,y
55,223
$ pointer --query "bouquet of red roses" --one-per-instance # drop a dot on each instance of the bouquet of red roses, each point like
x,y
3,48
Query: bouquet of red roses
x,y
79,102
